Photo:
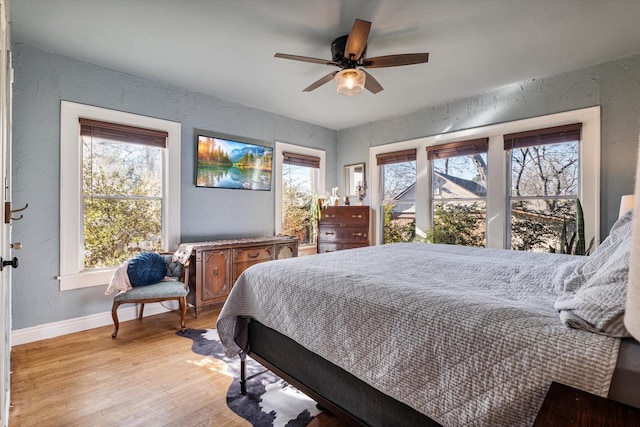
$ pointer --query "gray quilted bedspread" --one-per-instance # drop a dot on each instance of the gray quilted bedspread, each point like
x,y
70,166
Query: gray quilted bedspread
x,y
466,336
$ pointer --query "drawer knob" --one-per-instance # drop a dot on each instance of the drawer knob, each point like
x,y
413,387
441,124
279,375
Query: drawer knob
x,y
254,256
330,215
356,216
329,233
356,234
215,271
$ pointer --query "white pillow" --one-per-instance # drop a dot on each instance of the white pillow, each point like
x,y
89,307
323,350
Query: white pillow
x,y
594,294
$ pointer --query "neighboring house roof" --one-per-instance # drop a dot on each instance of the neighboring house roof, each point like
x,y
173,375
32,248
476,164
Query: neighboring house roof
x,y
453,186
466,188
407,193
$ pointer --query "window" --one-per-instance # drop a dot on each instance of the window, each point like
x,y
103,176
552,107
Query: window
x,y
553,161
543,186
300,175
122,191
398,171
299,184
92,183
459,187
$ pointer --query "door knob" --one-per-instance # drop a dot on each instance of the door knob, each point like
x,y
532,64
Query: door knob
x,y
13,263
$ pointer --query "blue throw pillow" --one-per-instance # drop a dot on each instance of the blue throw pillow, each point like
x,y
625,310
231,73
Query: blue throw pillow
x,y
146,268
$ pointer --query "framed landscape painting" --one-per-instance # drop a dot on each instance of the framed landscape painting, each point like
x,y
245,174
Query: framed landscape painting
x,y
224,163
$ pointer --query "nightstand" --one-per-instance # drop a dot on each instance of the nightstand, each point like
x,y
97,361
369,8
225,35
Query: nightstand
x,y
567,406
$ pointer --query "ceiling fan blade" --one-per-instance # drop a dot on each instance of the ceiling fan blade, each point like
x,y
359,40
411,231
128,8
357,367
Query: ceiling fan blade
x,y
357,40
305,59
320,82
396,60
371,84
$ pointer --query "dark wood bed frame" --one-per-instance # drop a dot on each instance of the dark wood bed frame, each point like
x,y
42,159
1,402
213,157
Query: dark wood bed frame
x,y
335,389
359,404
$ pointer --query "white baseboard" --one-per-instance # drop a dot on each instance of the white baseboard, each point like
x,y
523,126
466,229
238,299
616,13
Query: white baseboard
x,y
63,327
7,405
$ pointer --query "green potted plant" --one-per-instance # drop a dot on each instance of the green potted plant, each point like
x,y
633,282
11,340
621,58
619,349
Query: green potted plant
x,y
576,243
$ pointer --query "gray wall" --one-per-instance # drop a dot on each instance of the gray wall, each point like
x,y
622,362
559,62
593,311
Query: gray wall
x,y
43,79
615,86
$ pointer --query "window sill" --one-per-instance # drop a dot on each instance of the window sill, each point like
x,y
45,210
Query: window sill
x,y
85,280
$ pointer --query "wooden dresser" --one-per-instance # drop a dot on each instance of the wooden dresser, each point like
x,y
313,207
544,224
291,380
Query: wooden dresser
x,y
343,227
219,263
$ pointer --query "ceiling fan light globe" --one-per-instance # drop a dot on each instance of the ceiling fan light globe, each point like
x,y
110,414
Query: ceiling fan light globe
x,y
350,81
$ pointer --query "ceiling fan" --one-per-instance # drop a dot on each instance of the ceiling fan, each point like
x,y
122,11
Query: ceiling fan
x,y
349,54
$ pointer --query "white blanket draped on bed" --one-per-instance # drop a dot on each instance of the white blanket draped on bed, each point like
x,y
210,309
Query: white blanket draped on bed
x,y
466,336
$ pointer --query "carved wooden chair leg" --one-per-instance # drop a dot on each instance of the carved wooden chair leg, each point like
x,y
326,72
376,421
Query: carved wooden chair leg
x,y
183,312
114,315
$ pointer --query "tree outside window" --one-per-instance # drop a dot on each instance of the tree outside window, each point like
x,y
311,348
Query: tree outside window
x,y
399,196
544,183
544,189
459,209
300,202
459,188
122,195
535,178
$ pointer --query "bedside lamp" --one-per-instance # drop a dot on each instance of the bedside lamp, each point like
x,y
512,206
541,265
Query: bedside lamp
x,y
632,311
626,204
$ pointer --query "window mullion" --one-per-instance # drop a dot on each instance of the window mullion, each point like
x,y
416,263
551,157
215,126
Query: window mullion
x,y
496,193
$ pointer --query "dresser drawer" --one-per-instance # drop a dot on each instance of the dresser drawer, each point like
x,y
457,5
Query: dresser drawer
x,y
330,234
343,227
347,216
239,267
332,247
258,253
219,263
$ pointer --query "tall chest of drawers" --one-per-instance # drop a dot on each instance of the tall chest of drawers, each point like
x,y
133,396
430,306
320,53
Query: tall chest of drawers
x,y
343,227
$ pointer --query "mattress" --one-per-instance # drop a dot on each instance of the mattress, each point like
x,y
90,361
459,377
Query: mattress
x,y
466,336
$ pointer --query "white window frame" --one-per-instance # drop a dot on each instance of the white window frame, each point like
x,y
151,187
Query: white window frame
x,y
497,178
72,274
282,147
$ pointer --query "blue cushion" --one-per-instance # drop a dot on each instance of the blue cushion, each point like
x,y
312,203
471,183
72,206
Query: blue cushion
x,y
146,268
171,289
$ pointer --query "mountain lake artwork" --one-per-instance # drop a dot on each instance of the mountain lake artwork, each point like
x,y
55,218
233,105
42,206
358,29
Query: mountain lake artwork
x,y
230,164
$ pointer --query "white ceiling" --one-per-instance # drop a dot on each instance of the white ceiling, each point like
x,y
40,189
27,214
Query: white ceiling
x,y
225,48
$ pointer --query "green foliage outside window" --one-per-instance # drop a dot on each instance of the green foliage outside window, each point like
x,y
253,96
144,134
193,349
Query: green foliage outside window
x,y
296,221
122,202
116,230
458,224
537,229
300,212
576,242
396,231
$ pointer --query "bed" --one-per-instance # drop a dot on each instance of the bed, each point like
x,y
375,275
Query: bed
x,y
425,334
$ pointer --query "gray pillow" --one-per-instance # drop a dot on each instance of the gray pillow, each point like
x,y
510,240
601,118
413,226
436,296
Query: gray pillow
x,y
595,292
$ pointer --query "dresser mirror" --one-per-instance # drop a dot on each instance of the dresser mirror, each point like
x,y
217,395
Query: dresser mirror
x,y
354,180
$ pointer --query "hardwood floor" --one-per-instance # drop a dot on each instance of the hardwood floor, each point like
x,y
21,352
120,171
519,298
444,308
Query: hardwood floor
x,y
148,376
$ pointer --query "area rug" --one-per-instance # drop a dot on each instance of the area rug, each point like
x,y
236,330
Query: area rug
x,y
270,401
